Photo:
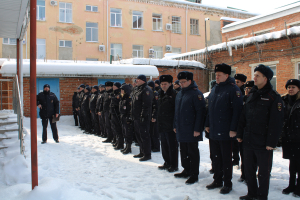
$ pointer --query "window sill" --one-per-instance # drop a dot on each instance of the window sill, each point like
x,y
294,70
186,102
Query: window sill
x,y
141,29
177,33
66,47
158,30
92,11
9,44
116,26
196,34
39,20
93,41
66,22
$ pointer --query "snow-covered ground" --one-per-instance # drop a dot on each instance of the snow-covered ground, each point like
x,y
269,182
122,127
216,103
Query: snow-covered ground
x,y
82,167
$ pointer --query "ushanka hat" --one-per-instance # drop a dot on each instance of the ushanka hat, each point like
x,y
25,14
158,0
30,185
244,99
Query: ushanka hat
x,y
185,75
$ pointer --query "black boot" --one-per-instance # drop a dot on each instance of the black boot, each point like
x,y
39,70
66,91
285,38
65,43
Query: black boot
x,y
124,148
214,185
128,149
119,146
108,140
193,179
183,174
140,155
288,190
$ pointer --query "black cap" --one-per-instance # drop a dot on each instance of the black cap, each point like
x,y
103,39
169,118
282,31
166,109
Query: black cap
x,y
265,70
142,77
109,83
78,88
157,82
166,78
117,84
88,88
177,82
249,84
185,75
226,69
295,82
96,87
47,85
240,77
151,84
101,86
82,86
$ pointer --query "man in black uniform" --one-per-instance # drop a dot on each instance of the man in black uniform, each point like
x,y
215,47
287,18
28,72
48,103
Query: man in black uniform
x,y
165,118
99,111
240,80
49,106
259,128
94,116
155,146
75,104
177,86
141,114
157,85
80,97
115,117
105,112
86,110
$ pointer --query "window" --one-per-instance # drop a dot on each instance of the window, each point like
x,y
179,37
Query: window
x,y
91,32
176,25
176,50
194,23
65,12
116,51
156,22
226,23
91,8
40,48
40,10
137,20
137,51
92,59
11,41
115,17
65,43
261,33
273,81
158,52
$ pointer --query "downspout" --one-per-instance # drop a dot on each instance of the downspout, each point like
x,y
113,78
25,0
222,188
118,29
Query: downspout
x,y
107,30
186,28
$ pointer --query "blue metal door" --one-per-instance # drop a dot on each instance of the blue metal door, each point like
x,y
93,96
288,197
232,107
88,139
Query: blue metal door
x,y
54,87
102,81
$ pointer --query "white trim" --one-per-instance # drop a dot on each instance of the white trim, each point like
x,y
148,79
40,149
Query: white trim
x,y
293,23
238,37
265,30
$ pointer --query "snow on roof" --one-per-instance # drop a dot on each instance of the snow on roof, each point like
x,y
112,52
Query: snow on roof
x,y
242,42
231,19
163,62
59,68
281,12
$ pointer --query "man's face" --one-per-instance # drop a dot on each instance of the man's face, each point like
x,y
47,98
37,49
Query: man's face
x,y
134,84
239,83
176,86
139,82
185,83
85,91
292,89
156,85
247,90
46,89
165,86
101,89
108,88
221,77
259,79
78,90
115,87
93,90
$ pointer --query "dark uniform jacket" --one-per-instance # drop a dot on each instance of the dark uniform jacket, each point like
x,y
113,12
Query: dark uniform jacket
x,y
75,101
99,103
291,129
93,101
189,114
141,102
166,109
125,103
154,104
106,100
178,89
224,109
114,103
261,121
242,88
85,102
49,103
80,98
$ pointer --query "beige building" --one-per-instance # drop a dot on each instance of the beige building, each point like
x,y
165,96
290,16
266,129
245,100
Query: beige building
x,y
96,29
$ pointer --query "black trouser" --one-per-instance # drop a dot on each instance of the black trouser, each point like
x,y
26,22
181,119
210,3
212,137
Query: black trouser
x,y
211,155
222,161
116,127
101,119
294,169
81,119
154,136
87,120
108,126
75,115
53,128
143,135
263,160
235,151
127,130
95,122
190,157
169,148
243,176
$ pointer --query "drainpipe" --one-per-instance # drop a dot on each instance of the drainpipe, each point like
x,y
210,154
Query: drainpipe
x,y
18,58
21,76
186,11
107,30
33,106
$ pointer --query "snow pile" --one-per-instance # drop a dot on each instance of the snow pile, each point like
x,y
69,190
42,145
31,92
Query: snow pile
x,y
231,19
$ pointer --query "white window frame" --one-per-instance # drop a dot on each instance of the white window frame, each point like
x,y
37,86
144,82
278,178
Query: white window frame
x,y
176,25
37,48
265,31
63,42
92,8
38,10
65,12
137,16
9,41
116,14
115,50
137,51
194,27
176,48
158,52
92,28
237,37
158,20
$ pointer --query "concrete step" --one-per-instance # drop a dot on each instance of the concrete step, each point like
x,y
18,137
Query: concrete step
x,y
6,123
10,130
2,147
4,139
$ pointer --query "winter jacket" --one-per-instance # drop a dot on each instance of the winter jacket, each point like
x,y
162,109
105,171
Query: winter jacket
x,y
261,121
80,97
166,109
93,101
178,89
154,104
49,103
125,103
85,102
225,104
99,103
189,114
75,101
114,103
106,100
141,102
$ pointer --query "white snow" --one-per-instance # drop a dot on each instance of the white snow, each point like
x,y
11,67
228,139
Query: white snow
x,y
82,167
230,19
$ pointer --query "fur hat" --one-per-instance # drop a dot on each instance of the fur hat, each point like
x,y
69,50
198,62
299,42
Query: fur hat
x,y
185,75
47,85
117,84
109,83
226,69
151,84
265,70
142,77
249,84
166,78
240,77
295,82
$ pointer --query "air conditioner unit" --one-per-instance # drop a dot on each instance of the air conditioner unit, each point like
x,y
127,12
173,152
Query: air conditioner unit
x,y
151,51
168,48
101,47
151,56
53,3
168,27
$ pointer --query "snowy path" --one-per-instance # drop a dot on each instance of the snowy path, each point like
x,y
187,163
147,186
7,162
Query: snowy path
x,y
82,167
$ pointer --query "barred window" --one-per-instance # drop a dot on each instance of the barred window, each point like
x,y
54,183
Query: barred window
x,y
194,23
176,24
